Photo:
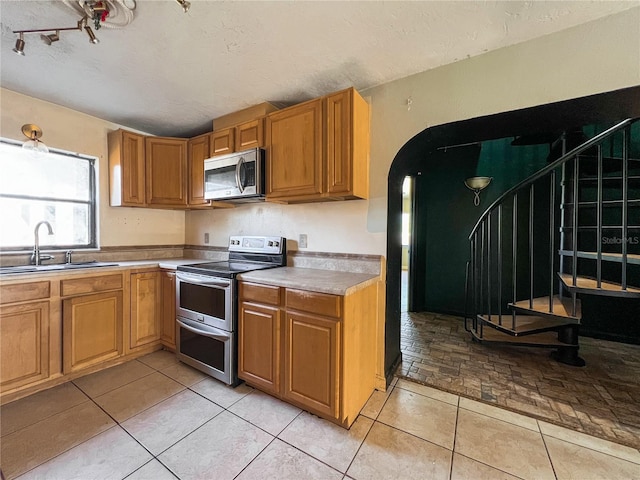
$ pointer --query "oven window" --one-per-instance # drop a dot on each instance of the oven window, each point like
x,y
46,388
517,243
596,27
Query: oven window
x,y
204,349
207,300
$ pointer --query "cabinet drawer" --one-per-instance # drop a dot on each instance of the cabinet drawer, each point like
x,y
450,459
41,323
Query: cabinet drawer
x,y
251,292
313,302
24,292
78,286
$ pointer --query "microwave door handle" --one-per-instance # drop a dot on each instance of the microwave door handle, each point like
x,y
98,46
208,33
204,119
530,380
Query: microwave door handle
x,y
200,281
238,169
201,330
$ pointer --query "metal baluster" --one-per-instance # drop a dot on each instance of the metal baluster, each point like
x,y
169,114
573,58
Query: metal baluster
x,y
563,224
489,266
552,222
574,265
482,250
500,264
599,221
626,133
531,200
514,258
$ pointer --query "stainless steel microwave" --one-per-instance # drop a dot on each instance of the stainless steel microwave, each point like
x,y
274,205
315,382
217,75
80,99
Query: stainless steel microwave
x,y
236,176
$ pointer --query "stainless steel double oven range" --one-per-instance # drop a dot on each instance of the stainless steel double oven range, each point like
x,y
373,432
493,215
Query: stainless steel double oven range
x,y
206,304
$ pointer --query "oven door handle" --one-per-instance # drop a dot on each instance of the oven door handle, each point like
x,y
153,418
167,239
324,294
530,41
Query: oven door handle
x,y
203,330
202,280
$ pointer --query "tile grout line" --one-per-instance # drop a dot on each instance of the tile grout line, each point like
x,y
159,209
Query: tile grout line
x,y
546,449
455,437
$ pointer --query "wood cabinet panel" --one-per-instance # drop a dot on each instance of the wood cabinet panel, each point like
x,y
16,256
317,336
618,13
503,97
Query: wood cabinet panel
x,y
168,289
294,139
82,285
249,135
126,169
197,152
24,343
311,360
222,142
259,293
259,340
23,292
92,329
339,141
314,302
146,309
166,171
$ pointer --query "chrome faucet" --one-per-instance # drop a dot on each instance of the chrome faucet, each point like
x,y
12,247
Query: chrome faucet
x,y
36,258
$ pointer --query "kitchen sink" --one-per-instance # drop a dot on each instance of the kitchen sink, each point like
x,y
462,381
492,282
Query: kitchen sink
x,y
49,268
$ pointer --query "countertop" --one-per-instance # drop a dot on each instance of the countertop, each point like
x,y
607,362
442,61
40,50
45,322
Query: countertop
x,y
314,280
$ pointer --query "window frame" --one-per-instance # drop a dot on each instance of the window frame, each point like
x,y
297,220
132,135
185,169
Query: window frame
x,y
92,203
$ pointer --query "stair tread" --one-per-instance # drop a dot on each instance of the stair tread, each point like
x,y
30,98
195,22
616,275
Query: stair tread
x,y
608,256
588,283
561,306
525,324
544,339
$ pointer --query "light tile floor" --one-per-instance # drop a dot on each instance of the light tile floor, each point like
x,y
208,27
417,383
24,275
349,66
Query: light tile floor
x,y
154,418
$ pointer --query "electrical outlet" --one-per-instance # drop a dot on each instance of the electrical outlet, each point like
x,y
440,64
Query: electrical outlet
x,y
206,238
302,241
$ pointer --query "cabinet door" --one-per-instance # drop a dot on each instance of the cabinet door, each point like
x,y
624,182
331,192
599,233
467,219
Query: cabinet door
x,y
92,329
127,169
294,139
146,309
166,160
222,142
250,135
339,141
197,152
168,334
311,363
259,346
24,344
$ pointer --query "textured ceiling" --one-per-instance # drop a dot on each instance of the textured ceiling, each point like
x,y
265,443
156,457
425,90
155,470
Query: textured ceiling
x,y
170,73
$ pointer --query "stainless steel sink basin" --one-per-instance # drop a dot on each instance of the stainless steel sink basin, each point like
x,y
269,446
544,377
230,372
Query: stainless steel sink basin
x,y
49,268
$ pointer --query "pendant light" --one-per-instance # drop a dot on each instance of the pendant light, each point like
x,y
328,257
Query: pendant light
x,y
33,133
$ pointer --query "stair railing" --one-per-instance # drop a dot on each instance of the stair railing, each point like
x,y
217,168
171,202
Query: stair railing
x,y
487,243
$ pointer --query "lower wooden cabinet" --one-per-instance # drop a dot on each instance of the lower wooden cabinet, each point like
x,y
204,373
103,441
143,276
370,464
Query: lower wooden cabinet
x,y
168,324
24,344
92,329
314,350
146,309
311,362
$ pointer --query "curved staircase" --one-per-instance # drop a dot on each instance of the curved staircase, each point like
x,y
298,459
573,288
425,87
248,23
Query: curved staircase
x,y
571,229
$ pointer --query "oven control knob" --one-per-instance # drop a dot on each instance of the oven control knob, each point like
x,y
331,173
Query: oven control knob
x,y
276,244
271,244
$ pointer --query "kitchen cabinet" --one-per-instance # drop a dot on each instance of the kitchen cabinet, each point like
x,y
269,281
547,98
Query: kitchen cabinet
x,y
168,296
319,150
249,135
25,334
197,152
92,320
259,327
312,349
146,309
126,169
222,142
166,171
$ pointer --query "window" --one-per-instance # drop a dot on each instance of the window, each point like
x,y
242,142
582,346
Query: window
x,y
57,187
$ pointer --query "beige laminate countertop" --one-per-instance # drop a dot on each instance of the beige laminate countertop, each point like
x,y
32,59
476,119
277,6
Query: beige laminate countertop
x,y
314,280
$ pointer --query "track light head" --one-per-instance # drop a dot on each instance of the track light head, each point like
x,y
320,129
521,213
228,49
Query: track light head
x,y
52,37
185,5
19,48
92,37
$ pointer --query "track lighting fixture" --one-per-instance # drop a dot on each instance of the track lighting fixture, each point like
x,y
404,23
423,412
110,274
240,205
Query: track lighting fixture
x,y
185,5
52,37
33,133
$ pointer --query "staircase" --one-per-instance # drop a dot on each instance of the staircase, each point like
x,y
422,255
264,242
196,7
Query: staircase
x,y
571,229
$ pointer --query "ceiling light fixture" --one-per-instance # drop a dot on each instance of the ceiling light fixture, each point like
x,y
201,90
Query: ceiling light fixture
x,y
33,133
477,184
52,37
185,5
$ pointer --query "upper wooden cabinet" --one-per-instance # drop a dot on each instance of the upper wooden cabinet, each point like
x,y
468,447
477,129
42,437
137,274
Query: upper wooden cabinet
x,y
166,171
319,150
250,135
197,153
126,169
222,142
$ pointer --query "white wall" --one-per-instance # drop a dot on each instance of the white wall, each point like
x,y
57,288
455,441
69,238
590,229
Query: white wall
x,y
596,57
70,130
